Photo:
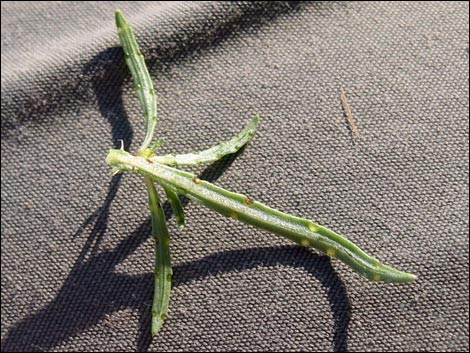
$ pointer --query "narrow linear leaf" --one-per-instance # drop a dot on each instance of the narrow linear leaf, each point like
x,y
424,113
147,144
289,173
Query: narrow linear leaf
x,y
214,153
148,99
163,270
157,144
237,206
142,81
175,205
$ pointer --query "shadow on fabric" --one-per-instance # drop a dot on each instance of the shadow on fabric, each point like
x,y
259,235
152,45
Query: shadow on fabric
x,y
88,294
93,290
51,101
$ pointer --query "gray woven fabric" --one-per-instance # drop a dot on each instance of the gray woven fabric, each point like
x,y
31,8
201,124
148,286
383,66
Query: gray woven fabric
x,y
76,254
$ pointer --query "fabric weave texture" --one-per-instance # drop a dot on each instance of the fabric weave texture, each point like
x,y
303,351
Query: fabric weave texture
x,y
76,256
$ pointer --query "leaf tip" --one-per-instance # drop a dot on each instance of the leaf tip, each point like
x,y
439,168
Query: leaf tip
x,y
120,19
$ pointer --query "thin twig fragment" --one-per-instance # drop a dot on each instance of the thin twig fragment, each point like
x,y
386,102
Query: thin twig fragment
x,y
349,116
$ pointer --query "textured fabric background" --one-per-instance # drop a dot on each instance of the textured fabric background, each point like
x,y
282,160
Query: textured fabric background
x,y
76,255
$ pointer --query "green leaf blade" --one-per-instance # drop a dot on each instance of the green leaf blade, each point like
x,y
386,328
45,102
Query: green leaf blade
x,y
176,205
142,81
214,153
163,270
298,230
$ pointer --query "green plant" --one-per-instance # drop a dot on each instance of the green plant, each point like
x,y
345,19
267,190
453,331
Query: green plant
x,y
176,182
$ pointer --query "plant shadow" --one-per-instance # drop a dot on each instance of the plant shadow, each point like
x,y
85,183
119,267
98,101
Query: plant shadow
x,y
93,290
317,266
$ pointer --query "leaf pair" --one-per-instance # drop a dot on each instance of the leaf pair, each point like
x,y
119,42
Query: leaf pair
x,y
148,99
